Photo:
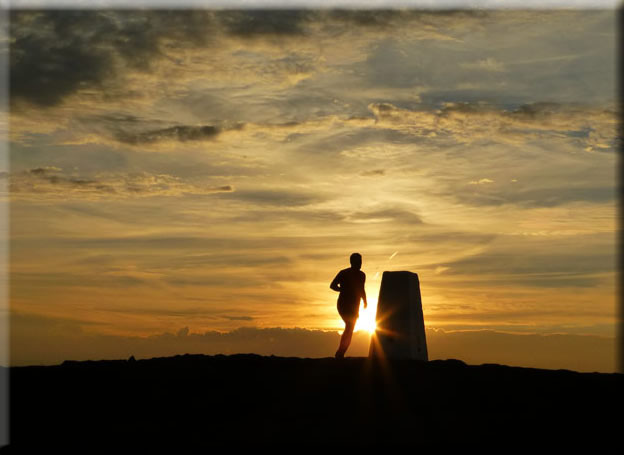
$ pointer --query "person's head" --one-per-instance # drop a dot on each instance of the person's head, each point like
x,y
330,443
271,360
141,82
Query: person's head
x,y
356,260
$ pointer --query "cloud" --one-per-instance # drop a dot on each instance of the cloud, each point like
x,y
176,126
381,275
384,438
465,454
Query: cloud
x,y
373,173
392,215
117,129
541,263
328,123
180,133
550,197
223,260
276,197
554,351
44,170
480,182
221,73
147,133
582,127
44,59
55,54
44,340
535,195
50,183
487,64
254,23
469,122
109,278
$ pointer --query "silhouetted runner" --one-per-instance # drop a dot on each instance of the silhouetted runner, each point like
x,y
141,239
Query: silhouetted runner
x,y
350,283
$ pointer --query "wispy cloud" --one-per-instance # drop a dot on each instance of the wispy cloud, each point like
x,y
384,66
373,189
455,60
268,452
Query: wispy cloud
x,y
181,133
481,181
469,122
50,182
487,64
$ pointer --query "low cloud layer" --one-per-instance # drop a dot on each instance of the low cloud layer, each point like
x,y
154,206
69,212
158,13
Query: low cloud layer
x,y
37,341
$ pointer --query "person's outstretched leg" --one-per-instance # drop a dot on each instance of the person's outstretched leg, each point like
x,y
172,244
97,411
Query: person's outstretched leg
x,y
345,339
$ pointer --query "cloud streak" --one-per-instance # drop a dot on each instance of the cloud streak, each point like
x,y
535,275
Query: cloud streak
x,y
51,183
469,122
181,133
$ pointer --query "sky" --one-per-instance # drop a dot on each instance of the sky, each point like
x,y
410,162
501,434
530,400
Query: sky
x,y
202,175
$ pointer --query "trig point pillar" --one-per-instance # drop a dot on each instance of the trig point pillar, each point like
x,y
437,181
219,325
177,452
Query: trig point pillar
x,y
400,323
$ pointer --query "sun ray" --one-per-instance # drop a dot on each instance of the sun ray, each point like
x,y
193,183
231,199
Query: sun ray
x,y
367,318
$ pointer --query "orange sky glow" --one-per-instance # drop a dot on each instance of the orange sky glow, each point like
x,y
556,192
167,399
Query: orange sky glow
x,y
186,174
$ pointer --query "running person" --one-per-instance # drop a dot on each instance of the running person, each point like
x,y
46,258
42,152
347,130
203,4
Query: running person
x,y
350,283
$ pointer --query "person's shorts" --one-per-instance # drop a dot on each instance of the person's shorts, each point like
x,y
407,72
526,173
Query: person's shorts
x,y
348,312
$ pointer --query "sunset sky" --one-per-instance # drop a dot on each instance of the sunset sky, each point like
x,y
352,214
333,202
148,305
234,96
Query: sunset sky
x,y
200,171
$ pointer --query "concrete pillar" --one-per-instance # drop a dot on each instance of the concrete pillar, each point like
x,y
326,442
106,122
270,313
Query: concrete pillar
x,y
400,323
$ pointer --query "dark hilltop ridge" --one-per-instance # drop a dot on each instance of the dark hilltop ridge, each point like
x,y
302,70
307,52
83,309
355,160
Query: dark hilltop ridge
x,y
251,403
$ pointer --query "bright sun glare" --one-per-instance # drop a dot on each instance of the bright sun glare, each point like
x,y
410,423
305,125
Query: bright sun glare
x,y
366,321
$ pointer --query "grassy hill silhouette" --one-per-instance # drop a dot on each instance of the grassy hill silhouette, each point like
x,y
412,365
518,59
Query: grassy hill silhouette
x,y
251,403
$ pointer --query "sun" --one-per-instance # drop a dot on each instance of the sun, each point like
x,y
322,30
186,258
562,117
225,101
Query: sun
x,y
366,321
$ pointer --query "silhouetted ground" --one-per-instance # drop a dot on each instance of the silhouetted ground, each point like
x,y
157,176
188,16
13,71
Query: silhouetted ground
x,y
214,404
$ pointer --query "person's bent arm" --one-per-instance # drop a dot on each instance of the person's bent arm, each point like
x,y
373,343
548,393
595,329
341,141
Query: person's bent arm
x,y
364,292
335,284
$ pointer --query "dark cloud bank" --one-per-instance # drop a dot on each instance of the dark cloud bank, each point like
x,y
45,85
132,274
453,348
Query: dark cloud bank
x,y
56,53
37,340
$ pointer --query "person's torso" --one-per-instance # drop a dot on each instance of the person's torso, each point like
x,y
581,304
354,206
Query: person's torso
x,y
351,284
